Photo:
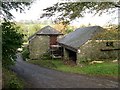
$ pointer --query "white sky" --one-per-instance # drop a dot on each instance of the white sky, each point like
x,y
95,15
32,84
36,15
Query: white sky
x,y
36,10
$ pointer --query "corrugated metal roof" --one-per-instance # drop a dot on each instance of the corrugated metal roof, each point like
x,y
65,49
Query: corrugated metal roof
x,y
47,30
79,36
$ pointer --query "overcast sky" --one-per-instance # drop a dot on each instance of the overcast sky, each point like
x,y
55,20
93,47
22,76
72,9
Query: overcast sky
x,y
36,10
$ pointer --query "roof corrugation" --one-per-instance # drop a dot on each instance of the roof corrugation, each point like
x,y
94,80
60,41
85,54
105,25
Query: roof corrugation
x,y
79,36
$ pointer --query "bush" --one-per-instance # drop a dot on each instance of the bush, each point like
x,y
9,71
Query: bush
x,y
13,83
68,31
11,41
46,56
25,53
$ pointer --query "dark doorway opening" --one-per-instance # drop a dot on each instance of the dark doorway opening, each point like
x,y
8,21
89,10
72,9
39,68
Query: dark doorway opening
x,y
53,40
72,55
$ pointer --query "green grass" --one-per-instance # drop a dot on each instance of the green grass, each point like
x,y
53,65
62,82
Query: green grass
x,y
106,69
10,80
103,69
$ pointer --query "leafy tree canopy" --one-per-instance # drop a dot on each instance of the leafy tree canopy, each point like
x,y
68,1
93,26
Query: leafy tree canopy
x,y
11,38
67,12
6,6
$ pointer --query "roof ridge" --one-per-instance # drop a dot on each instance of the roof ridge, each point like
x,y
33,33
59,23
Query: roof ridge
x,y
47,30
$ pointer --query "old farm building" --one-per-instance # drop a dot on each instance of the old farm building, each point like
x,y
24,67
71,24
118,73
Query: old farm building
x,y
72,42
82,44
41,41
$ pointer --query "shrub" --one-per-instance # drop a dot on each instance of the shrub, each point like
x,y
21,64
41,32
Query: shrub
x,y
68,31
25,53
13,83
11,41
45,56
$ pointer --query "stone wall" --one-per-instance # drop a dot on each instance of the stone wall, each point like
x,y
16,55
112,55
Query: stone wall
x,y
38,46
92,51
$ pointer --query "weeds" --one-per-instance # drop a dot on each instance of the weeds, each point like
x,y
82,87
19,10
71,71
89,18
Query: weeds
x,y
11,81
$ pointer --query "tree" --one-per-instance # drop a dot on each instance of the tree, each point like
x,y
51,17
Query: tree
x,y
11,38
8,5
69,11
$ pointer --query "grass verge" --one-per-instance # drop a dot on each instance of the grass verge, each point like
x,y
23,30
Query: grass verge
x,y
11,81
103,69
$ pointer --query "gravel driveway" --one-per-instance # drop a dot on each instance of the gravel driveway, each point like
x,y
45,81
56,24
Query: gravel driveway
x,y
39,77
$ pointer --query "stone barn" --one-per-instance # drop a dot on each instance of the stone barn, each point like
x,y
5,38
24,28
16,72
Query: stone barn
x,y
72,42
41,41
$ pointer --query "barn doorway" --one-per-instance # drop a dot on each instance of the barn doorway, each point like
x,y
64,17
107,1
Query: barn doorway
x,y
72,55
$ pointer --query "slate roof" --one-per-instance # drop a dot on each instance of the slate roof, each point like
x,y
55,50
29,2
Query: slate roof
x,y
47,30
79,36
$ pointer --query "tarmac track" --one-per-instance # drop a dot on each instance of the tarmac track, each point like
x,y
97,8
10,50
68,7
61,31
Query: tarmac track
x,y
39,77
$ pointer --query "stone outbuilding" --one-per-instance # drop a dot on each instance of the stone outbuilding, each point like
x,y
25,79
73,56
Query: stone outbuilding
x,y
41,41
72,42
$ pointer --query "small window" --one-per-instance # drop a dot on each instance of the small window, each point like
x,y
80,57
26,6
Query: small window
x,y
109,44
